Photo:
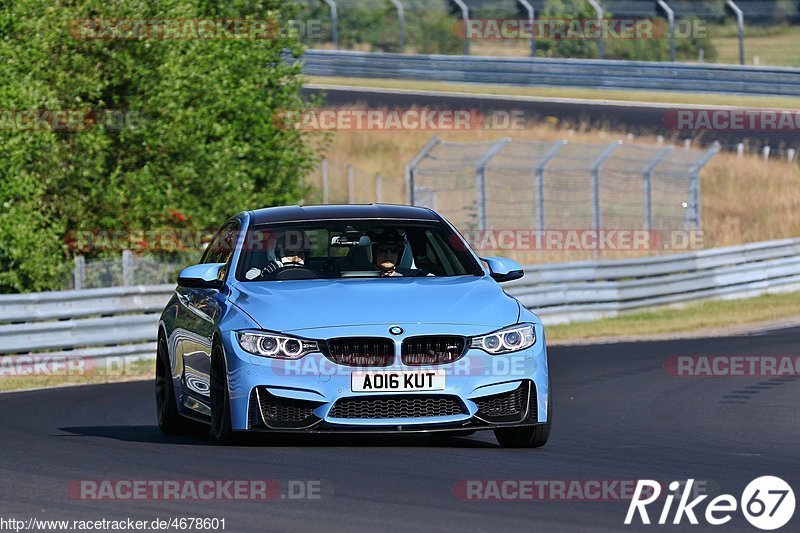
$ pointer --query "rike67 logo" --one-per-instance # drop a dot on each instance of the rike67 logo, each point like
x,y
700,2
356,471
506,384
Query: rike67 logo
x,y
767,503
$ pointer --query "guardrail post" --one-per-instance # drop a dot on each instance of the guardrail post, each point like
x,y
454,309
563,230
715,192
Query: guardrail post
x,y
598,163
378,188
464,18
480,179
648,190
740,23
334,23
671,19
324,170
351,185
532,20
127,267
79,273
601,53
694,211
539,179
411,167
401,22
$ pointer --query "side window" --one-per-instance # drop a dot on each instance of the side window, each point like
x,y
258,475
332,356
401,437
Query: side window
x,y
222,246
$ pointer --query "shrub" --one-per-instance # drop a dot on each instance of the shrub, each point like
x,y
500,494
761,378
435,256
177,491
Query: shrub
x,y
205,144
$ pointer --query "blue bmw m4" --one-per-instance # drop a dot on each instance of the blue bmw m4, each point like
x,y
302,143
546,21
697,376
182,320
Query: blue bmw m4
x,y
351,318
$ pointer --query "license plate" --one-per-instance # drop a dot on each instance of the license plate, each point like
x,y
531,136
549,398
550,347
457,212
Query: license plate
x,y
399,381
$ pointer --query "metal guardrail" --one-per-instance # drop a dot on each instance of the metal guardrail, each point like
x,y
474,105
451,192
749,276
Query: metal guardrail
x,y
587,290
92,323
122,321
611,74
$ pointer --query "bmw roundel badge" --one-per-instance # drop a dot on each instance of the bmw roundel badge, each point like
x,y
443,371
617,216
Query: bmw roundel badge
x,y
396,330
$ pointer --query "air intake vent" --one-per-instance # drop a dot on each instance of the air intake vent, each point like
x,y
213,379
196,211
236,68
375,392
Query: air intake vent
x,y
418,406
508,406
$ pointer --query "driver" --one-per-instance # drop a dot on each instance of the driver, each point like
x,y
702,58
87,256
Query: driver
x,y
289,251
387,249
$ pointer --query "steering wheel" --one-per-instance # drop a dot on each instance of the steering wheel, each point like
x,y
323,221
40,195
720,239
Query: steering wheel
x,y
294,271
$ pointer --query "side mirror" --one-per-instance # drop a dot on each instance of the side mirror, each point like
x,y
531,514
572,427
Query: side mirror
x,y
204,276
502,269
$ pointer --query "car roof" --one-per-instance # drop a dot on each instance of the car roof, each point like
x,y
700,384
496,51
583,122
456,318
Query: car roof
x,y
296,213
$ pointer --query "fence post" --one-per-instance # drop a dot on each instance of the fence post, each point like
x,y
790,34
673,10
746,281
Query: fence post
x,y
532,20
79,273
480,179
598,163
411,167
334,23
694,171
539,179
464,18
351,193
671,19
648,190
127,267
599,10
324,165
740,24
401,22
378,188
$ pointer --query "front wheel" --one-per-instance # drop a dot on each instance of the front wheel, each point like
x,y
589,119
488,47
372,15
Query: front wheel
x,y
221,428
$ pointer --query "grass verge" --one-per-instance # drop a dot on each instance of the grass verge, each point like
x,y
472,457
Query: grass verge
x,y
667,97
688,318
777,46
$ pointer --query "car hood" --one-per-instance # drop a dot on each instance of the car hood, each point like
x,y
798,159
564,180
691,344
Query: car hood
x,y
305,304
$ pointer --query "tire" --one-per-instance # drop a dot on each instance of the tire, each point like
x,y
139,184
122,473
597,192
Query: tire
x,y
531,436
170,421
221,428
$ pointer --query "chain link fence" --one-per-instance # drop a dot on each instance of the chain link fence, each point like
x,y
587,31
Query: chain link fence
x,y
129,269
536,185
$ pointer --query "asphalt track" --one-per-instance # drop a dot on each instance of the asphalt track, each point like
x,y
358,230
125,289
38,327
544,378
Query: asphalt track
x,y
619,416
639,118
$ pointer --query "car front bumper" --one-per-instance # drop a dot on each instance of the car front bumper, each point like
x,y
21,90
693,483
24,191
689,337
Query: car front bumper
x,y
477,383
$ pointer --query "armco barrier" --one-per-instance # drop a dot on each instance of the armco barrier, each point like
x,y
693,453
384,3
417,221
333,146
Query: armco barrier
x,y
571,292
122,321
610,74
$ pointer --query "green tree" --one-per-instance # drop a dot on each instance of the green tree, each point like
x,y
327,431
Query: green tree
x,y
205,142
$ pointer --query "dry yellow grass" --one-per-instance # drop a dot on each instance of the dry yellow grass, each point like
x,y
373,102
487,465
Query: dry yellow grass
x,y
744,199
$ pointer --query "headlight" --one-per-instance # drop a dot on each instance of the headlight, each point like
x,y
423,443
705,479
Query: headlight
x,y
274,345
506,340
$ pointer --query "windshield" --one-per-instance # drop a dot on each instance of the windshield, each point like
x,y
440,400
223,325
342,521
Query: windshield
x,y
354,249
